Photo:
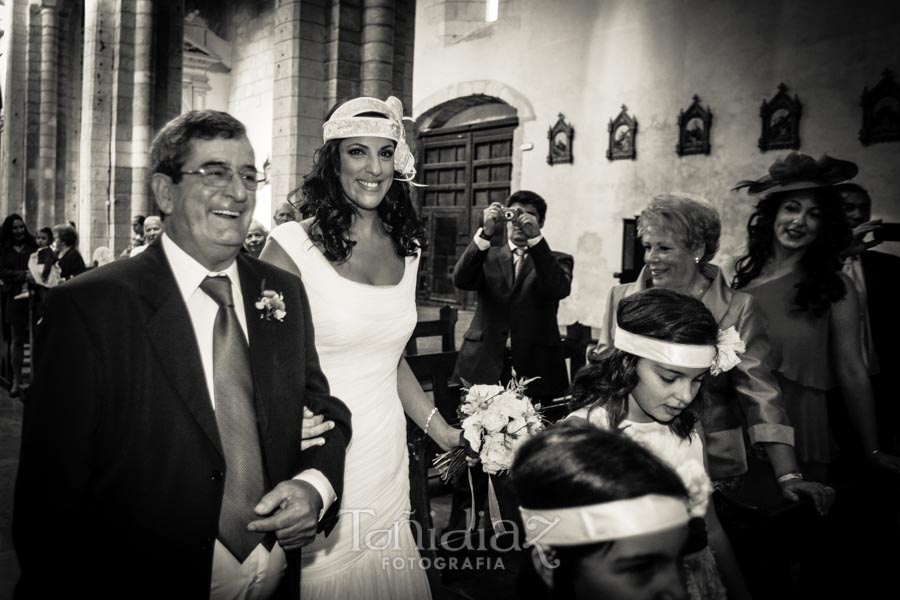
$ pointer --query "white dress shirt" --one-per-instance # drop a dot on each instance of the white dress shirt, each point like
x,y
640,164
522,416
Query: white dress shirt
x,y
259,575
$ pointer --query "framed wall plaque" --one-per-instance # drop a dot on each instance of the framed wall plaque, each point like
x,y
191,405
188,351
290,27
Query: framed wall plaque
x,y
560,137
622,137
881,111
694,125
780,121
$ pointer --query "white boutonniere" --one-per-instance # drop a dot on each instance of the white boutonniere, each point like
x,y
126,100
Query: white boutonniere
x,y
271,305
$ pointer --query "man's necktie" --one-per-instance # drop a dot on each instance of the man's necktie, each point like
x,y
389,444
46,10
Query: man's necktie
x,y
518,262
236,419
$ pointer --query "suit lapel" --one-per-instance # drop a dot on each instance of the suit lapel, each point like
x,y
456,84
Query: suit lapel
x,y
172,334
261,348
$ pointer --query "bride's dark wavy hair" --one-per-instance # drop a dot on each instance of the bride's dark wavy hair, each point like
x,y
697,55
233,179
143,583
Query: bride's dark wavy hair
x,y
322,198
657,313
822,284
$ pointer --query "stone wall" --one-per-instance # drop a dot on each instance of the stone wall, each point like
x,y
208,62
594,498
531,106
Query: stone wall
x,y
585,59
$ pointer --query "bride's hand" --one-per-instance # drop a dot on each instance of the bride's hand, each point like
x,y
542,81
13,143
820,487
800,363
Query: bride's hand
x,y
313,427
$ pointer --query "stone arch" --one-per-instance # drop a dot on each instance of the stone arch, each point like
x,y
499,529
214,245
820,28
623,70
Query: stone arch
x,y
437,108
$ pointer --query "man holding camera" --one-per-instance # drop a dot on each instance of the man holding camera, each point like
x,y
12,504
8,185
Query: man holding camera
x,y
873,275
519,285
514,331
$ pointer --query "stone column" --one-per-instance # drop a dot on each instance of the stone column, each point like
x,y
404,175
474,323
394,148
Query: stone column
x,y
343,51
96,131
32,117
13,167
141,108
377,64
46,176
168,46
298,91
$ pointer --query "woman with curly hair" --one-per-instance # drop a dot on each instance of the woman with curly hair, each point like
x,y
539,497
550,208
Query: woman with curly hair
x,y
358,253
607,518
793,269
16,246
665,345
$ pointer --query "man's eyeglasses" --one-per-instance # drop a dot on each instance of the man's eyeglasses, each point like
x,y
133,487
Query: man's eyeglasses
x,y
220,176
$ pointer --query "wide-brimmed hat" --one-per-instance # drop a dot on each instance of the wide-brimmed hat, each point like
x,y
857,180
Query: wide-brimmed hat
x,y
799,172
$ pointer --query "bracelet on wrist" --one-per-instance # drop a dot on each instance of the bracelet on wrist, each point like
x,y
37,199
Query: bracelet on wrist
x,y
428,420
790,477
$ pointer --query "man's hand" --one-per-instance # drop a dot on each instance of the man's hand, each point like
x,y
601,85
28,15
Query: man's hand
x,y
492,217
294,508
821,495
529,225
313,426
858,245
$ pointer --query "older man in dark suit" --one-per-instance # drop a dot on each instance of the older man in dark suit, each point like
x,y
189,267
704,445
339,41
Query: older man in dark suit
x,y
161,453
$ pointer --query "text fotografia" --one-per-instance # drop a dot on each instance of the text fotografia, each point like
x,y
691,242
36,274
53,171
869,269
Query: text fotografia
x,y
452,563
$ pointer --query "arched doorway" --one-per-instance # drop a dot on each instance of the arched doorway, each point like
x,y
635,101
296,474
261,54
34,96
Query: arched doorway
x,y
466,157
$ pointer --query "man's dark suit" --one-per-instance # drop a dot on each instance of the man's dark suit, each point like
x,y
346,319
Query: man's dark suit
x,y
881,271
524,311
121,474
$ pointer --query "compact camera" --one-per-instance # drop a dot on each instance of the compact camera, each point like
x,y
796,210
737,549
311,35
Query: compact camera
x,y
510,214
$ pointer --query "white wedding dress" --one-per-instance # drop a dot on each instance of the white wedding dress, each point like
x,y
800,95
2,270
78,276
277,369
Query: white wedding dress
x,y
361,331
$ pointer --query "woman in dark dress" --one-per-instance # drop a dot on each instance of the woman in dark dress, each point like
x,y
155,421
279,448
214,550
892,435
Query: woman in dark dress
x,y
16,246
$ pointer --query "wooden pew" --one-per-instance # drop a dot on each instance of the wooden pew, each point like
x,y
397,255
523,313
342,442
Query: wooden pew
x,y
443,327
434,370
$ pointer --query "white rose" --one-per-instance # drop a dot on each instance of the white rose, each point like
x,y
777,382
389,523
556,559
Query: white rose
x,y
472,430
493,420
496,455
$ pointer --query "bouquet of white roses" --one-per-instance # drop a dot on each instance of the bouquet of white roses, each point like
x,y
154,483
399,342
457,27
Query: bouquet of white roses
x,y
495,422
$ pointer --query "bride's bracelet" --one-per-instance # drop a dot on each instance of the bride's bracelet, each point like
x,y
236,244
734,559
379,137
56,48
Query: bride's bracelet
x,y
428,421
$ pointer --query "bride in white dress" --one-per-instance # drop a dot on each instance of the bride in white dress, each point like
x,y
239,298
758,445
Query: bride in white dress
x,y
358,256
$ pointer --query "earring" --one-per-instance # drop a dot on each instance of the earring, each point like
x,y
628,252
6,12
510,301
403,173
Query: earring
x,y
697,260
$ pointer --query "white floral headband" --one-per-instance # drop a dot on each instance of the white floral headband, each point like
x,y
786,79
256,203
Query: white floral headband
x,y
345,122
718,359
602,522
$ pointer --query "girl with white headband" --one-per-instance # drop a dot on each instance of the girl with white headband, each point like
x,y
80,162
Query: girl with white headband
x,y
645,386
358,254
607,519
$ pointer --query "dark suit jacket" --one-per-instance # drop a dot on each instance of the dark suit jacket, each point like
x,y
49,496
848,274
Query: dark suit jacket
x,y
881,271
121,475
71,264
524,311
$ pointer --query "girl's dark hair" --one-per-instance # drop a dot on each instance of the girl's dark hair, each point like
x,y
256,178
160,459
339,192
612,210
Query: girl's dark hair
x,y
578,464
6,238
657,313
48,232
322,197
822,284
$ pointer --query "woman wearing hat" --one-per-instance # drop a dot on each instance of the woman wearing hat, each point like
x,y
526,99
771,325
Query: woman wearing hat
x,y
793,269
681,236
359,254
